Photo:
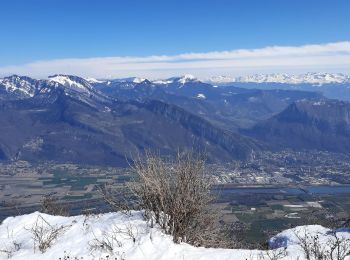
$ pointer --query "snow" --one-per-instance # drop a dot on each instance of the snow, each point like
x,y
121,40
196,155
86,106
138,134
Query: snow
x,y
18,84
220,79
253,99
293,215
93,80
80,234
130,235
314,204
131,80
186,78
318,103
294,206
291,238
67,82
314,78
201,96
162,82
138,80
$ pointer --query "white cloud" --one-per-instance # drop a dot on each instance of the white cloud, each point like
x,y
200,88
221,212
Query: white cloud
x,y
331,57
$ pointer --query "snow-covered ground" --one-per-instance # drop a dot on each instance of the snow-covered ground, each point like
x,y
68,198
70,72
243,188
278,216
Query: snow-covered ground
x,y
129,236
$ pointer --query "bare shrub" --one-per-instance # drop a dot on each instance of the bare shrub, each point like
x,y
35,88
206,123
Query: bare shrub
x,y
177,196
335,247
14,206
275,254
50,205
9,250
11,247
111,240
44,234
107,242
127,232
310,245
339,247
119,198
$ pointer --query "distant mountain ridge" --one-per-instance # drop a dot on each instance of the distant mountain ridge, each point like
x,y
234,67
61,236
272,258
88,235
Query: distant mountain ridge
x,y
308,124
331,85
315,78
308,78
230,108
67,119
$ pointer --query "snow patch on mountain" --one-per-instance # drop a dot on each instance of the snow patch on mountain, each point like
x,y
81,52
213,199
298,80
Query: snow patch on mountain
x,y
186,78
67,81
176,80
162,82
135,80
93,80
201,96
18,84
138,80
220,79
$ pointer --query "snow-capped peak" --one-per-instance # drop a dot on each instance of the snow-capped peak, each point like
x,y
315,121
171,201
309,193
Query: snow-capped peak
x,y
138,80
22,85
72,82
186,78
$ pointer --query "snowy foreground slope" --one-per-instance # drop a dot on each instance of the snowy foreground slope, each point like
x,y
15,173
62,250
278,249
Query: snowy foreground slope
x,y
89,237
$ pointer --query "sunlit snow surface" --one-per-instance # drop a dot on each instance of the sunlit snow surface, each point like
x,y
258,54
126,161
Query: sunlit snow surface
x,y
80,234
66,81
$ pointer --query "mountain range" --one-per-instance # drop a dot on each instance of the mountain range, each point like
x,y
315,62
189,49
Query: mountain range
x,y
314,78
331,85
308,124
67,118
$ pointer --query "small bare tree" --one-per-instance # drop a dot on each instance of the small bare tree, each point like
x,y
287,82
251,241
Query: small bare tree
x,y
44,234
176,194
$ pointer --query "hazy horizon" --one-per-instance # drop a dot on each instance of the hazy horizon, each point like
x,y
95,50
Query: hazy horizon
x,y
160,39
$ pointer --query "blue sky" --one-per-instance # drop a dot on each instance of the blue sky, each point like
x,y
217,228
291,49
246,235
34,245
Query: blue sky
x,y
44,30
